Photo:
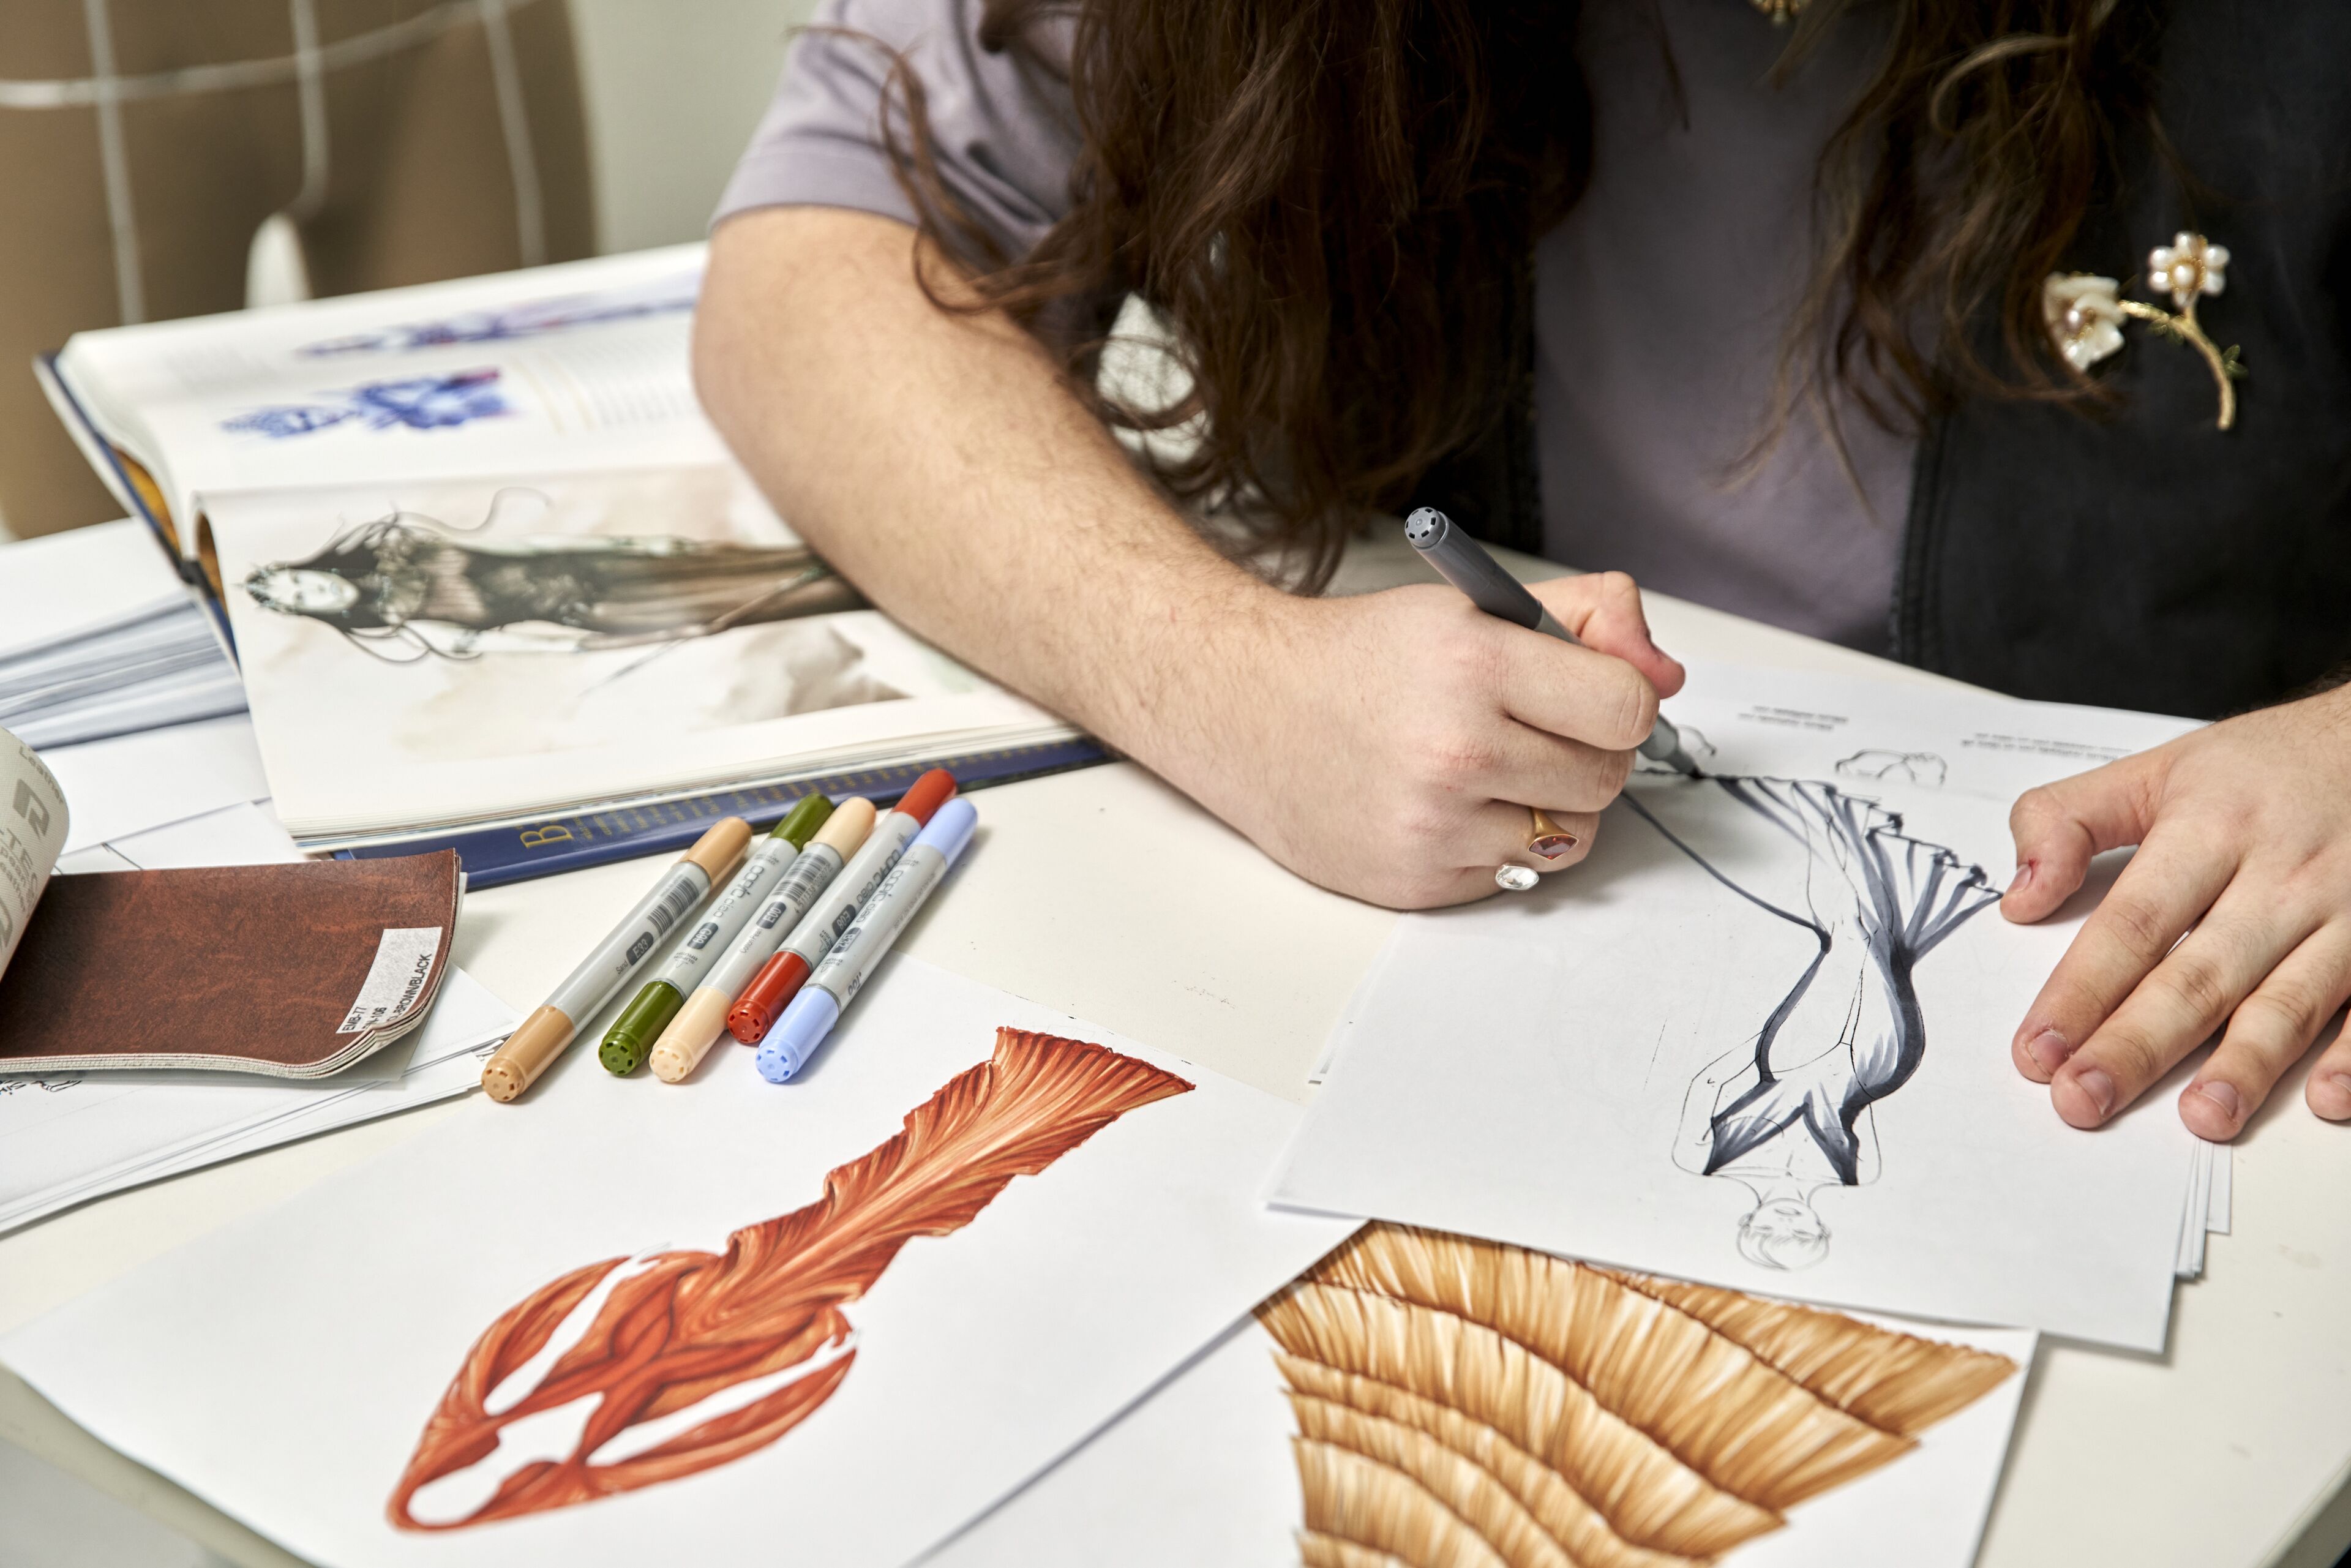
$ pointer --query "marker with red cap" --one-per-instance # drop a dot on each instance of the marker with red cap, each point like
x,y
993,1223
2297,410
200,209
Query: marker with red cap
x,y
755,1012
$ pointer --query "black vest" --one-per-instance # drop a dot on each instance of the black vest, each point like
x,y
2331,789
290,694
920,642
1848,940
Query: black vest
x,y
2137,558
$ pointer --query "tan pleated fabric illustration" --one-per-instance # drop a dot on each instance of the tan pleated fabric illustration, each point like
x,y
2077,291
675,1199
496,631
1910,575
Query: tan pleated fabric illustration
x,y
1466,1403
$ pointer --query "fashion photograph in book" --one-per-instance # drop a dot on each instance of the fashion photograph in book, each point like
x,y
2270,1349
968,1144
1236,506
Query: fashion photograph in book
x,y
456,622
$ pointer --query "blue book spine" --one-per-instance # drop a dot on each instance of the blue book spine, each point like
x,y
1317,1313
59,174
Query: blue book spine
x,y
492,857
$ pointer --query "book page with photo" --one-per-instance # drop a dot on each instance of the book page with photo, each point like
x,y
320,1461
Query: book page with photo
x,y
421,653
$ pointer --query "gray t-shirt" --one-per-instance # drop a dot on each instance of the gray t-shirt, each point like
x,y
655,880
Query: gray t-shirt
x,y
1660,300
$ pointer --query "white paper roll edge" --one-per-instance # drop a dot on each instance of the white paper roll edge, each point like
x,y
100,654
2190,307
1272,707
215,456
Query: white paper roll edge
x,y
32,834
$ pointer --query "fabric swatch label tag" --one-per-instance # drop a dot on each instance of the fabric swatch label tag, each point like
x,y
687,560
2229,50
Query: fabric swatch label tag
x,y
403,962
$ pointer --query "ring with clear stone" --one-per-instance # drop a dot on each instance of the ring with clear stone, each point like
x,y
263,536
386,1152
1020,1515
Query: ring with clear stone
x,y
1513,877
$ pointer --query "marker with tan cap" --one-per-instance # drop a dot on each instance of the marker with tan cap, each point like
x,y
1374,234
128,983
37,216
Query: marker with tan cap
x,y
516,1065
699,1023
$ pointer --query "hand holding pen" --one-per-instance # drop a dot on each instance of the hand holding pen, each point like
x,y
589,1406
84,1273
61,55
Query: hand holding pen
x,y
1388,745
1464,563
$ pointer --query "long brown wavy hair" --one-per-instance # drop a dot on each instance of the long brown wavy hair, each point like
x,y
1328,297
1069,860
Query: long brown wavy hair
x,y
1330,202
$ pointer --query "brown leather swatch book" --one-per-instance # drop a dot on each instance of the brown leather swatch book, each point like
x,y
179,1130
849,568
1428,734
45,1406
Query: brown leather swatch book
x,y
297,971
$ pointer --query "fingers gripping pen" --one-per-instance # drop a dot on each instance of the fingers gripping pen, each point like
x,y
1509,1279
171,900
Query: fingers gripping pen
x,y
1463,562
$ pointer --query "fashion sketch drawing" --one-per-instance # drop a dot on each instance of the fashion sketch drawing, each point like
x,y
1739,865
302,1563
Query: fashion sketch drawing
x,y
1788,1111
1460,1401
631,1372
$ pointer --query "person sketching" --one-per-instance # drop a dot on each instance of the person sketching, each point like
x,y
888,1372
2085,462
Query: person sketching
x,y
404,588
2003,338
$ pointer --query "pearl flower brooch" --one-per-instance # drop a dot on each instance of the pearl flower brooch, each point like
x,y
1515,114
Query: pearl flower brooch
x,y
2086,312
2189,265
2085,315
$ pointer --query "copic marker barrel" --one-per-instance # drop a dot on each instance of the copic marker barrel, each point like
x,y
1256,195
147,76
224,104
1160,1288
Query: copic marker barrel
x,y
658,1001
516,1065
845,969
756,1011
703,1019
1463,562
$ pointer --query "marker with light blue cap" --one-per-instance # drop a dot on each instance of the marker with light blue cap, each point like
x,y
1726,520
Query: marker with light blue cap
x,y
844,972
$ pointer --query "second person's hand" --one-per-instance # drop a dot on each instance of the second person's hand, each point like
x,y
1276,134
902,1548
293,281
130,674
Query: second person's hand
x,y
2230,917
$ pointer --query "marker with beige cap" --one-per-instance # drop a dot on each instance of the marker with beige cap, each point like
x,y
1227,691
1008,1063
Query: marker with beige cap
x,y
699,1023
755,1010
531,1049
657,1002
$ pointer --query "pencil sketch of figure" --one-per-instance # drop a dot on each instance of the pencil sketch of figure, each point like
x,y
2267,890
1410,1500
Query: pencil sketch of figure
x,y
407,588
1788,1111
46,1085
1908,766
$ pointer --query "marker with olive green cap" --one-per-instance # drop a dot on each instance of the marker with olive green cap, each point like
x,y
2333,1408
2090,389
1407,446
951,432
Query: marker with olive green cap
x,y
703,1019
516,1065
649,1011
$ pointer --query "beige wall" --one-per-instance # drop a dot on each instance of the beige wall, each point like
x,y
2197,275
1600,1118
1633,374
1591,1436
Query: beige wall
x,y
674,88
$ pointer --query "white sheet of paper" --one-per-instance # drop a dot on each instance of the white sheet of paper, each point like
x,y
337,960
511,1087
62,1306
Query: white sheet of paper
x,y
52,587
1758,720
2224,1170
981,1356
1524,1069
134,783
2196,1215
71,1137
247,833
1201,1472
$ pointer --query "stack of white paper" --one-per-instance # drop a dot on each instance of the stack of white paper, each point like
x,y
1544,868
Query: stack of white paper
x,y
71,1137
98,637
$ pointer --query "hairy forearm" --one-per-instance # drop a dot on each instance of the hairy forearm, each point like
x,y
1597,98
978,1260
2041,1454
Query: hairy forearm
x,y
1386,745
940,462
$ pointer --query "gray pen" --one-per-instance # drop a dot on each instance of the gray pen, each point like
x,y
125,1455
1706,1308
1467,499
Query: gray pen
x,y
1463,562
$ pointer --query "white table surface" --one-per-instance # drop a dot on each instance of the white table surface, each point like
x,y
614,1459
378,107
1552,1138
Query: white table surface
x,y
1108,895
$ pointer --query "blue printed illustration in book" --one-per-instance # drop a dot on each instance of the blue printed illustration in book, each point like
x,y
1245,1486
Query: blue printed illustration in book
x,y
412,402
532,319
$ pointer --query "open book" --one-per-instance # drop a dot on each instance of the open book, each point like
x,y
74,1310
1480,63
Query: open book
x,y
493,579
